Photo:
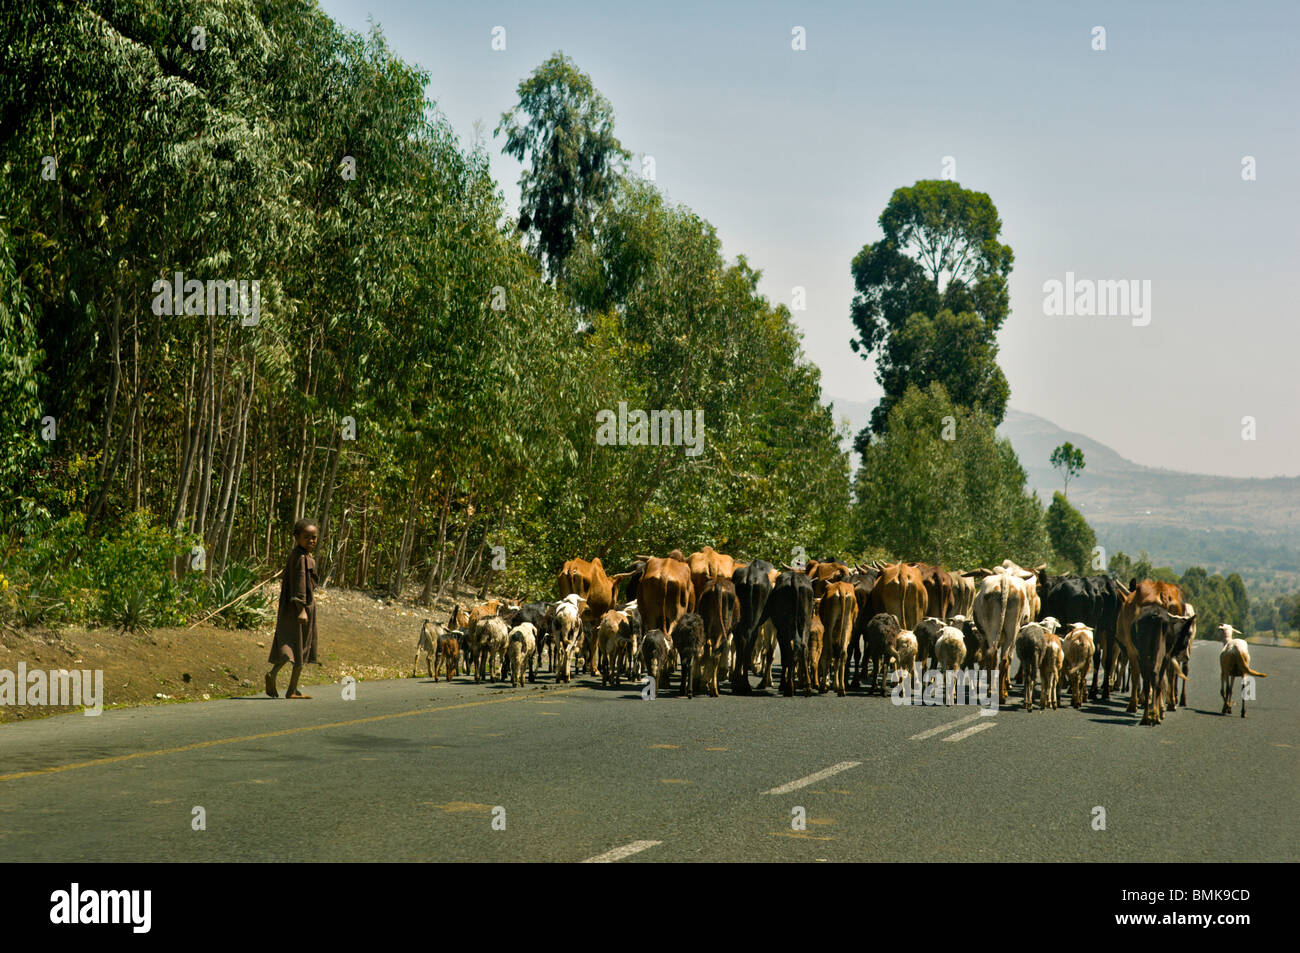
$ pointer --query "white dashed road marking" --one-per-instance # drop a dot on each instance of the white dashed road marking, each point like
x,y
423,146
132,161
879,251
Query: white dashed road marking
x,y
814,778
969,731
618,853
930,733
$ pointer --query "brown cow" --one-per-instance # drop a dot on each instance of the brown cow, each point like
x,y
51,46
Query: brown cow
x,y
1149,592
823,574
707,565
588,580
838,611
720,608
666,593
938,590
900,592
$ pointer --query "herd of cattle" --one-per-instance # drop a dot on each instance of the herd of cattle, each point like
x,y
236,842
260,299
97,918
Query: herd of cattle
x,y
710,617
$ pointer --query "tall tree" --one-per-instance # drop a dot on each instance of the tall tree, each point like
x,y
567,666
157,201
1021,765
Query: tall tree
x,y
564,129
1069,460
940,251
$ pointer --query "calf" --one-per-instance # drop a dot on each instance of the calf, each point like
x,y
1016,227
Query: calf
x,y
949,653
430,633
1079,649
1234,661
976,645
688,639
810,670
881,638
654,657
614,645
1158,637
520,649
493,639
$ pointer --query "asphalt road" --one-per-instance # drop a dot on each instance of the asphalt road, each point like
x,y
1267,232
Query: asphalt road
x,y
413,771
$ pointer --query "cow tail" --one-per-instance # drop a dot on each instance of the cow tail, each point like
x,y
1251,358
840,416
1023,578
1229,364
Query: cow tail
x,y
1251,671
902,610
1002,617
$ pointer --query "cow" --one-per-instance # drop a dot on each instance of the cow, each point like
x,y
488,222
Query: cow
x,y
588,579
666,593
881,648
753,584
999,611
520,649
1108,598
938,589
430,633
613,646
654,657
790,607
1078,646
1234,662
477,615
823,573
1158,637
811,670
898,590
838,611
459,618
628,583
493,639
1148,592
1184,660
707,565
864,580
689,643
720,609
963,595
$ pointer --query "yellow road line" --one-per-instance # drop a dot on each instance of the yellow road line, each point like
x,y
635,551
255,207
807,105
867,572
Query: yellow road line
x,y
269,734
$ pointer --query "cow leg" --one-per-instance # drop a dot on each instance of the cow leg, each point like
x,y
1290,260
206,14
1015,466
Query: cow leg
x,y
1135,673
740,671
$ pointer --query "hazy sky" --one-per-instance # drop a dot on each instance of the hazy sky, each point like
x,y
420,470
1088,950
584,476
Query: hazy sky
x,y
1121,164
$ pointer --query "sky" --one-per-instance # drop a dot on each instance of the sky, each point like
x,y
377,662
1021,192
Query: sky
x,y
1122,163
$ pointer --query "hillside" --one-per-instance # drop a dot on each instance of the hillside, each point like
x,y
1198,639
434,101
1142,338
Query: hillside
x,y
1224,524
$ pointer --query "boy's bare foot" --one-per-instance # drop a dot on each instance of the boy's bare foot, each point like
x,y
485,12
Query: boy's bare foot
x,y
297,695
270,686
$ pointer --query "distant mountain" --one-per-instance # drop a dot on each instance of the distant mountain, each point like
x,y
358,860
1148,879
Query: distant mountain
x,y
1225,524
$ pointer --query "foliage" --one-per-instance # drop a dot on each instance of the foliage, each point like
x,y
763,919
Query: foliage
x,y
955,502
565,129
1071,536
1069,460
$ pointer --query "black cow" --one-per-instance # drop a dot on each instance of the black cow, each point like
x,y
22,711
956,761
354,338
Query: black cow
x,y
881,638
1107,601
864,580
790,607
629,586
1159,638
688,639
753,587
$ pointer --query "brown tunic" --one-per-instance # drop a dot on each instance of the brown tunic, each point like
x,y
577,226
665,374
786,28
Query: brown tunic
x,y
295,641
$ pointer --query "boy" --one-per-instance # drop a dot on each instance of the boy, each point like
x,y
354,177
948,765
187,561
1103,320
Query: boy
x,y
295,624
